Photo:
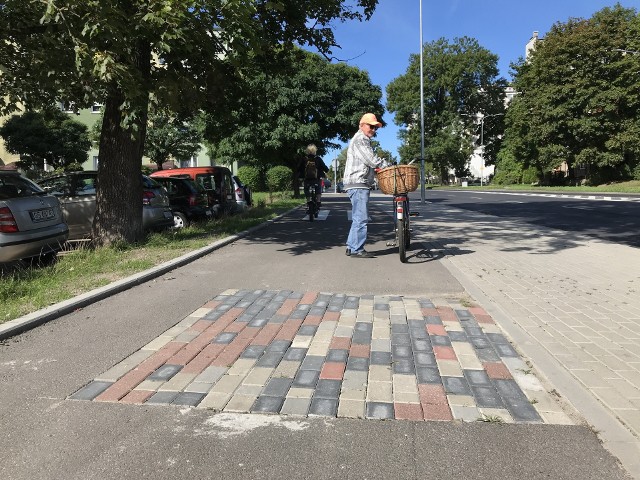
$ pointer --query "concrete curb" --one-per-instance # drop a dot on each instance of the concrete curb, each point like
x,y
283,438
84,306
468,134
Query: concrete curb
x,y
44,315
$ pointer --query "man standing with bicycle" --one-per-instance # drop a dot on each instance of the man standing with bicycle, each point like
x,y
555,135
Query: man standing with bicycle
x,y
359,175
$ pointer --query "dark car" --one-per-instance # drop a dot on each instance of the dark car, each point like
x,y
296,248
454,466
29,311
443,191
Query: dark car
x,y
77,194
31,222
216,181
187,199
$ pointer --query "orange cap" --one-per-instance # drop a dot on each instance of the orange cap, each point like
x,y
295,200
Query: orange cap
x,y
370,119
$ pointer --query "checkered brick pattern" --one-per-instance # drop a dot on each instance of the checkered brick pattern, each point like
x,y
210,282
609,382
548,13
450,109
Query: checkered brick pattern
x,y
334,355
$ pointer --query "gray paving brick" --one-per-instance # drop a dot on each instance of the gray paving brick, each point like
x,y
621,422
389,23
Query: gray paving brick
x,y
270,359
190,399
252,351
225,337
278,346
480,342
162,398
424,359
383,307
487,397
267,404
477,378
296,295
361,338
244,318
418,333
258,322
278,318
497,338
380,410
400,339
433,320
213,315
352,303
456,386
417,325
401,351
421,345
295,354
426,375
277,387
404,366
473,331
91,391
363,327
327,389
463,314
165,372
380,358
306,378
425,303
326,407
312,362
440,340
458,337
399,328
505,350
300,312
307,330
516,402
358,364
487,355
337,355
317,310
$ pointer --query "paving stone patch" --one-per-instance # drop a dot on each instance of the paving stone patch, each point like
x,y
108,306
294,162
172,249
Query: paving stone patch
x,y
310,353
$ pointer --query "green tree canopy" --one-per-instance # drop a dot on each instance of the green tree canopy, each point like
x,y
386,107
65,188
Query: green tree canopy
x,y
50,137
579,99
460,81
306,99
179,53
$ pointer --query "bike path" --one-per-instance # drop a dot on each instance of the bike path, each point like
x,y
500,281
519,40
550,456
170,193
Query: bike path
x,y
385,338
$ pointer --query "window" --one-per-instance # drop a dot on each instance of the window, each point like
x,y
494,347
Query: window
x,y
96,108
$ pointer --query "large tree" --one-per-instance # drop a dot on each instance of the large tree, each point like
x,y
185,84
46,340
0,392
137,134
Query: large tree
x,y
49,138
579,99
124,54
460,82
301,98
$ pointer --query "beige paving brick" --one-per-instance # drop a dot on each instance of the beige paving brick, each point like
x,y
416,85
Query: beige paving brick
x,y
249,390
211,374
465,414
354,380
297,392
295,406
349,394
227,384
463,348
470,362
461,400
328,325
379,392
242,366
178,382
381,345
364,317
343,331
452,326
198,387
404,383
318,349
118,370
380,373
240,403
157,343
200,312
258,376
301,341
406,397
215,400
149,385
286,368
496,414
351,408
449,368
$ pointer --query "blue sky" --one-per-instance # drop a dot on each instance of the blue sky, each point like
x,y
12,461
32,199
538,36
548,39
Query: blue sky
x,y
383,44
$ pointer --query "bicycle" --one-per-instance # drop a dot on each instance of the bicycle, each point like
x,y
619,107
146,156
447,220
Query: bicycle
x,y
312,201
399,180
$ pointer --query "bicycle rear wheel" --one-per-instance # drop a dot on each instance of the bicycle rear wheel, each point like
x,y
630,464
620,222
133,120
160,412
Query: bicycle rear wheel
x,y
402,239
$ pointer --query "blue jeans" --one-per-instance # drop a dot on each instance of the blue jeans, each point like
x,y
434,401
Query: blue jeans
x,y
359,217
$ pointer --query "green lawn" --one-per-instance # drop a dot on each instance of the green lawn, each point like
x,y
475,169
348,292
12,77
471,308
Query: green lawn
x,y
622,187
83,269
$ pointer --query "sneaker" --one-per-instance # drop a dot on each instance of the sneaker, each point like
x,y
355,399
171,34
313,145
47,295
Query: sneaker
x,y
362,254
348,252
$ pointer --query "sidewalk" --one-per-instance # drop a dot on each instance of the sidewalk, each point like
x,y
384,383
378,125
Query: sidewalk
x,y
571,305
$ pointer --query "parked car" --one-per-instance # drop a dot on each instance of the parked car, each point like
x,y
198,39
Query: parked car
x,y
188,200
339,187
216,181
31,221
77,194
243,194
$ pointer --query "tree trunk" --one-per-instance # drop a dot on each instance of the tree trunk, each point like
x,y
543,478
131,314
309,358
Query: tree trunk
x,y
118,215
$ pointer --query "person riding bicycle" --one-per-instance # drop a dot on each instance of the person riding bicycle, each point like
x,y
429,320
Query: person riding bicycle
x,y
312,170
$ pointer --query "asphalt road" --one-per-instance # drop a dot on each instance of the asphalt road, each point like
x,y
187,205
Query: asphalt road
x,y
45,435
608,219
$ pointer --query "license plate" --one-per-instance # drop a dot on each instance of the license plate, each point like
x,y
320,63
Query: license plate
x,y
42,215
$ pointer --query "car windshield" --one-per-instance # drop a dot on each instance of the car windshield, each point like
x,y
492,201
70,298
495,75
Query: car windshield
x,y
14,186
148,182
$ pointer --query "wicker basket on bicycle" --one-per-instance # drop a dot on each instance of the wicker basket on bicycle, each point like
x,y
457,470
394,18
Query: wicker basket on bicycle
x,y
398,179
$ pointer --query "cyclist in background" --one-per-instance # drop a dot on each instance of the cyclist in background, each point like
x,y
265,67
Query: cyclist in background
x,y
312,170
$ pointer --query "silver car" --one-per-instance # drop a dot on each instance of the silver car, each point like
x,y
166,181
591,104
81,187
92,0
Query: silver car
x,y
31,222
77,194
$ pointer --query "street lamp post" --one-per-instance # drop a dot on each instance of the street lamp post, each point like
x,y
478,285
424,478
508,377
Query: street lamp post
x,y
482,116
422,188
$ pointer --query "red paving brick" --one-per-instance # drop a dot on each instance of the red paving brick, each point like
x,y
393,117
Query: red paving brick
x,y
436,330
137,396
312,320
477,311
340,343
430,312
204,358
484,319
332,371
361,351
288,306
497,371
444,353
408,411
432,394
308,298
437,412
212,304
288,330
266,334
447,314
331,316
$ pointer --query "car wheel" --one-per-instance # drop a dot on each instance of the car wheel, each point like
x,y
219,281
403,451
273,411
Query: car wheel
x,y
180,220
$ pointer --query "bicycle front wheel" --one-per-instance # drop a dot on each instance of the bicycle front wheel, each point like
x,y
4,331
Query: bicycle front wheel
x,y
402,239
